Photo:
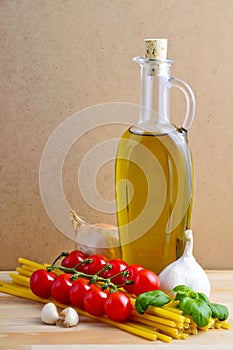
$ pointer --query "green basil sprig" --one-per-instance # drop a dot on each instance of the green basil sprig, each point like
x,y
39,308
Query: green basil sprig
x,y
198,306
193,304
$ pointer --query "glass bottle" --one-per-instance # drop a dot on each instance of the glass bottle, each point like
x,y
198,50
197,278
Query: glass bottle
x,y
154,171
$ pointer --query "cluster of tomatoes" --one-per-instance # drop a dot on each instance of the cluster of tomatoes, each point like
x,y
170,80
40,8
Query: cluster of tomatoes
x,y
92,297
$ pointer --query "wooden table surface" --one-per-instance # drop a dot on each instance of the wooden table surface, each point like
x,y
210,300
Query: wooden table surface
x,y
21,328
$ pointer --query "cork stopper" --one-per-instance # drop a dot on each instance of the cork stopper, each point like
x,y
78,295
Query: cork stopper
x,y
156,48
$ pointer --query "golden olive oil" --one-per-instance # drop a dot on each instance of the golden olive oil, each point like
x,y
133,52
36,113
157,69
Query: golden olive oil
x,y
153,196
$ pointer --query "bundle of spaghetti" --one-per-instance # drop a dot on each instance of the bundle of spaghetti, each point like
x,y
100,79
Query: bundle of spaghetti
x,y
164,323
165,320
176,324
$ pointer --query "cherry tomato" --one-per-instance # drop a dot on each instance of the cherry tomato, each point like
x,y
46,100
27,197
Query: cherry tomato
x,y
41,282
133,270
98,262
61,288
74,258
145,281
94,301
118,265
78,291
118,306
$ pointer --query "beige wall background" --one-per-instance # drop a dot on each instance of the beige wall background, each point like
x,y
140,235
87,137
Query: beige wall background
x,y
61,56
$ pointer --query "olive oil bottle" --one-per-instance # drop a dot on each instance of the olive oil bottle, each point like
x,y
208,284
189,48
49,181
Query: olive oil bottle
x,y
154,171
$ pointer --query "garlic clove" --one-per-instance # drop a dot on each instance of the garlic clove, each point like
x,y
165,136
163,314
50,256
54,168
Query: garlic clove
x,y
49,314
69,317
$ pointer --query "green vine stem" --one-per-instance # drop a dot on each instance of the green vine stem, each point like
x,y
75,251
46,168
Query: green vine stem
x,y
106,282
62,255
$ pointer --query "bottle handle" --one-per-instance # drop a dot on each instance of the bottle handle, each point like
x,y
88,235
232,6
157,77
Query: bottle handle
x,y
190,101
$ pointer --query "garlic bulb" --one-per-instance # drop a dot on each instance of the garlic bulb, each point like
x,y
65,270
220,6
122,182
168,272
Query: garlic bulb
x,y
185,271
96,238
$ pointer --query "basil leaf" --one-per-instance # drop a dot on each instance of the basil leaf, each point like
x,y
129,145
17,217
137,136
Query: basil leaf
x,y
219,311
155,298
199,310
200,313
184,305
179,296
202,297
181,289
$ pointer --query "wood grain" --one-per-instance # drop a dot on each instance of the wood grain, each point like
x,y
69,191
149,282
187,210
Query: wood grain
x,y
21,328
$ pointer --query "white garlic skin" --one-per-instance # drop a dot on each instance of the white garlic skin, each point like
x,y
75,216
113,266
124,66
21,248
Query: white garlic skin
x,y
96,238
49,314
185,271
69,316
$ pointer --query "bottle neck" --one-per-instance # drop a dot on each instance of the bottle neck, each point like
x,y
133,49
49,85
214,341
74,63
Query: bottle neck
x,y
155,93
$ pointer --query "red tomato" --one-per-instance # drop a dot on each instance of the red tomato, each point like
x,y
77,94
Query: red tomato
x,y
41,282
118,306
94,301
145,281
98,262
74,258
118,265
78,291
61,288
133,270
